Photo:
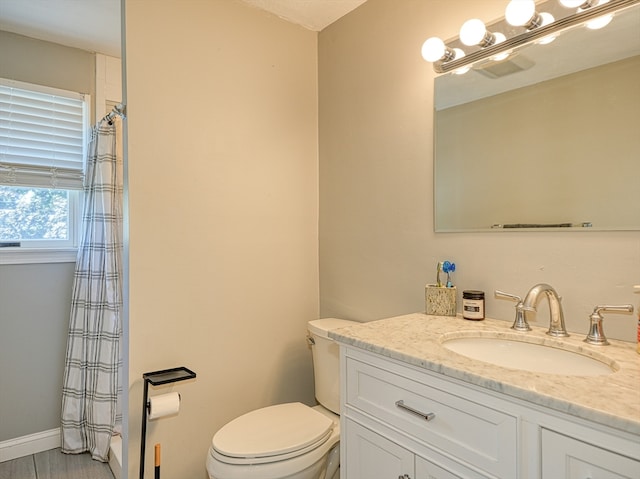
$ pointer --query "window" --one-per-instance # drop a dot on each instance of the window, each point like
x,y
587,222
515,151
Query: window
x,y
42,151
37,217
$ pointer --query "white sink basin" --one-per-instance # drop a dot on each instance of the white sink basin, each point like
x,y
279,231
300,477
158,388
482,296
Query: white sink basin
x,y
514,353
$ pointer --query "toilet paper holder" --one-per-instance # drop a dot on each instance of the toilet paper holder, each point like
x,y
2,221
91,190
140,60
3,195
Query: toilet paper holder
x,y
158,378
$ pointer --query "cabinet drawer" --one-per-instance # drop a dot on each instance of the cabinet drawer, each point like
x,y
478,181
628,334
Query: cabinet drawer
x,y
467,430
573,459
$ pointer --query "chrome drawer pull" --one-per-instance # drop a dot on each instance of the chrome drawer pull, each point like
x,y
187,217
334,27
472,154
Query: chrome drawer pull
x,y
427,417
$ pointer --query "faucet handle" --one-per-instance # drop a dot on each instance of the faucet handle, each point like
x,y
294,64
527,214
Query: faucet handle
x,y
596,332
520,323
502,295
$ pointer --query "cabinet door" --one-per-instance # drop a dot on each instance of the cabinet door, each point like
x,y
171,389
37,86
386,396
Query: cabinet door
x,y
447,469
428,470
372,456
566,457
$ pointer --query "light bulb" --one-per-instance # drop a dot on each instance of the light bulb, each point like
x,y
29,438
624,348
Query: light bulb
x,y
433,49
460,54
520,12
473,32
574,3
500,56
599,22
547,18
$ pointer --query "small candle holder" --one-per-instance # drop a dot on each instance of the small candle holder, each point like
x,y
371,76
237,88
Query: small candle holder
x,y
440,301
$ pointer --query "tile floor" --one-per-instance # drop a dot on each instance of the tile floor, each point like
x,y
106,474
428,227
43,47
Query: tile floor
x,y
55,465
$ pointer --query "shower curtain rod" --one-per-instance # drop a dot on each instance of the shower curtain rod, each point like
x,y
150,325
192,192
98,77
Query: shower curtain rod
x,y
118,110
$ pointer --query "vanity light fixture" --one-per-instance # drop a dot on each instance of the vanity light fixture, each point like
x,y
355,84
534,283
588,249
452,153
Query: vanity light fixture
x,y
522,25
576,3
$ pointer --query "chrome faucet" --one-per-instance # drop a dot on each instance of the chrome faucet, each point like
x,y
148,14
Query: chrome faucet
x,y
596,333
556,323
520,323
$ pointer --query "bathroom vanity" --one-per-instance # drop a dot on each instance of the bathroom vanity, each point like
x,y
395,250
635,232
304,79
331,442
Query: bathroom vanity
x,y
413,409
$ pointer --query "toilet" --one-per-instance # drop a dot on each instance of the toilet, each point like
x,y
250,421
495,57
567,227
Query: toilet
x,y
292,440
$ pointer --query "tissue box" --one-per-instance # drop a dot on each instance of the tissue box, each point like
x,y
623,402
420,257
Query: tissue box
x,y
440,301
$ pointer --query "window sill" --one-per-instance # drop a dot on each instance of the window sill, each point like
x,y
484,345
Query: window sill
x,y
37,255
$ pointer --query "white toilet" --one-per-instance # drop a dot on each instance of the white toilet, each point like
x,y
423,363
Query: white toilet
x,y
288,441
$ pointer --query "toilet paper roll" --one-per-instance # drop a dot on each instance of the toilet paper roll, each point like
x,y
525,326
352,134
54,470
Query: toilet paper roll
x,y
164,405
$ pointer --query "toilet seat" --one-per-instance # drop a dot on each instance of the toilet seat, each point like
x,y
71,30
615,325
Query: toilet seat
x,y
270,434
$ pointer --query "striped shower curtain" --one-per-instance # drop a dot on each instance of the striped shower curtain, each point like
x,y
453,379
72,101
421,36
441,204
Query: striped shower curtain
x,y
91,391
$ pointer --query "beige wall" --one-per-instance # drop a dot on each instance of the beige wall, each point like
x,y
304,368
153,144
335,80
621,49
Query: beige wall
x,y
45,63
223,191
377,245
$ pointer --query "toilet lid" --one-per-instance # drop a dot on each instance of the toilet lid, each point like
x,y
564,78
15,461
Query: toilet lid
x,y
272,431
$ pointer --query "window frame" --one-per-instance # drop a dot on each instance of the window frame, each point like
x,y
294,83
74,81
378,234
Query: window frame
x,y
54,250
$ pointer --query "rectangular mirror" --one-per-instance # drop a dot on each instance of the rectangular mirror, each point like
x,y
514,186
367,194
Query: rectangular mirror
x,y
547,138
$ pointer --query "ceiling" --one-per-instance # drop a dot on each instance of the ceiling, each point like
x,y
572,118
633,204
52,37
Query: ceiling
x,y
312,14
94,25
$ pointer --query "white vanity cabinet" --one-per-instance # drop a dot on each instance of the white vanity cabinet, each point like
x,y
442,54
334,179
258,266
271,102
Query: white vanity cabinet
x,y
581,460
379,457
375,455
400,421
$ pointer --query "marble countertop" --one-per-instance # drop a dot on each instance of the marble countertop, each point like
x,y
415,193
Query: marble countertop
x,y
416,339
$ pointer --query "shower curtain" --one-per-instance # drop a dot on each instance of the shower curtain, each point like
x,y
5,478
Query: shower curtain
x,y
91,391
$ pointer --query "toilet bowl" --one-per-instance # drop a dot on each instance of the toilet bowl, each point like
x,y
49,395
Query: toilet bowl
x,y
292,440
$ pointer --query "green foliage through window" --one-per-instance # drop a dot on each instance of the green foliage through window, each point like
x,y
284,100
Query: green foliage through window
x,y
33,214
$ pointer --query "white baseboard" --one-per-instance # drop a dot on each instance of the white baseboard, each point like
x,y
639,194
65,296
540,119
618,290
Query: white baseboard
x,y
31,444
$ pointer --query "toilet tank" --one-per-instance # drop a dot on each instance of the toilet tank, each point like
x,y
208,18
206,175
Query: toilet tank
x,y
326,361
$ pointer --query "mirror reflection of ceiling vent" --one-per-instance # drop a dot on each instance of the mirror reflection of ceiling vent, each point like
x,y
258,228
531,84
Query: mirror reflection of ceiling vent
x,y
505,67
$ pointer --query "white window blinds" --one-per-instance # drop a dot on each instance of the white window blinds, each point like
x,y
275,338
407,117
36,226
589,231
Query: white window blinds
x,y
42,136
